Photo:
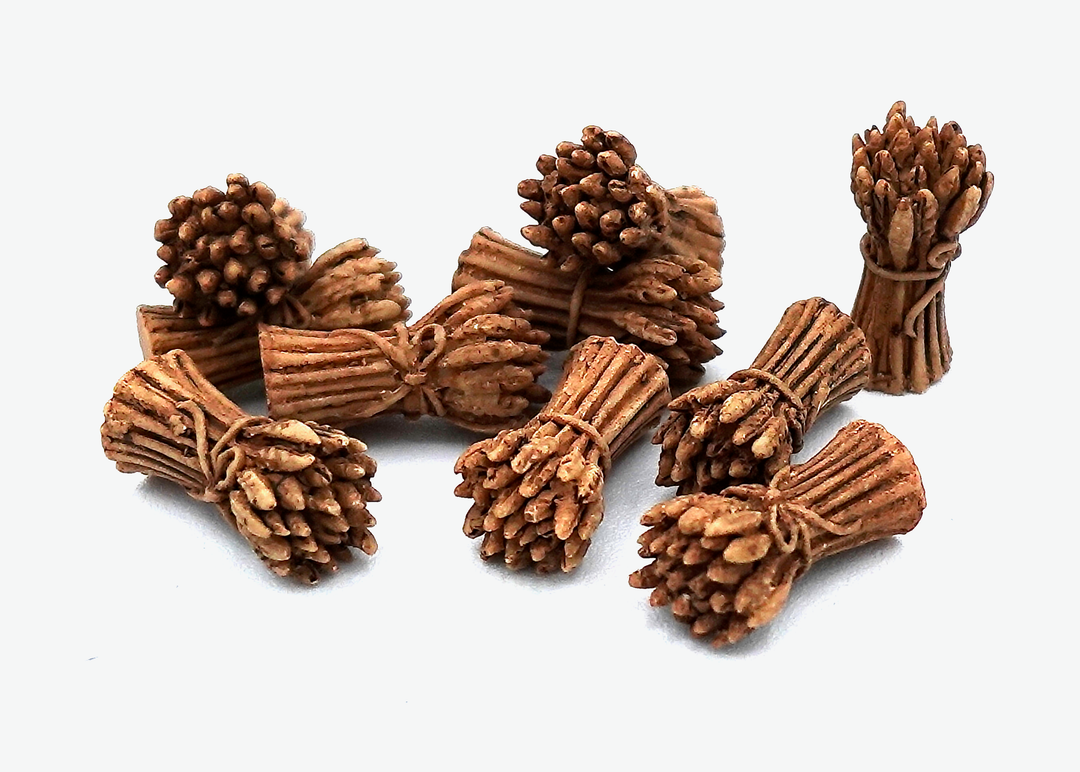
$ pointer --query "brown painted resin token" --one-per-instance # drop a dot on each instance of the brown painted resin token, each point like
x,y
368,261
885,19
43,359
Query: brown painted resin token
x,y
745,428
472,360
298,492
595,205
240,256
230,253
917,188
726,562
623,257
538,491
662,304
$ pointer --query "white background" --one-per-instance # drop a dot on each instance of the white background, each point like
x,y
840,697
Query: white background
x,y
141,633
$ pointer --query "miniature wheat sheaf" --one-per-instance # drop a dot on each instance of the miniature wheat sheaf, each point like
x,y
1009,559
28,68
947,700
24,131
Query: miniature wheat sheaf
x,y
595,205
726,563
538,490
745,428
918,189
298,492
623,257
229,253
472,360
661,303
240,256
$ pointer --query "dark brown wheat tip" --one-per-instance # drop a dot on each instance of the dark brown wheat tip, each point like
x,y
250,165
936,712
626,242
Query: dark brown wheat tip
x,y
230,254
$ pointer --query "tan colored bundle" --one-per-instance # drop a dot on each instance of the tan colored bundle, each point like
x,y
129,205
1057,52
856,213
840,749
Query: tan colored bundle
x,y
472,360
745,428
538,491
298,492
240,256
594,205
347,286
917,189
726,563
660,303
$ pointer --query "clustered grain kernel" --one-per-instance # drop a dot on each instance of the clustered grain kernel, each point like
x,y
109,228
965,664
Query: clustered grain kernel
x,y
594,201
229,254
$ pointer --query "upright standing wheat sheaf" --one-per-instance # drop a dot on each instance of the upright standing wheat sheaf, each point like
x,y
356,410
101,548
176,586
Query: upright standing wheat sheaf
x,y
917,189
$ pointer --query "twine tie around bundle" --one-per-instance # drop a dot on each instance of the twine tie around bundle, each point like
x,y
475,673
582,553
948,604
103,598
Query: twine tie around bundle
x,y
473,359
795,518
220,469
586,428
936,275
403,352
576,300
778,383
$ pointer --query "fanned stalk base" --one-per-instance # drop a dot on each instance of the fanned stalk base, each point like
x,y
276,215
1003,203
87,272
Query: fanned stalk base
x,y
226,356
538,490
348,286
298,492
726,563
472,360
745,428
694,227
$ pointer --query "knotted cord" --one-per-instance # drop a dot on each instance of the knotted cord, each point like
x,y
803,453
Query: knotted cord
x,y
936,275
577,298
222,457
403,351
778,383
586,428
785,515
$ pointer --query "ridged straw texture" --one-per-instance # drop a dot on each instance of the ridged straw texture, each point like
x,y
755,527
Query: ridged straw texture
x,y
347,286
230,254
538,491
471,360
726,563
298,492
595,205
917,189
660,303
745,428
